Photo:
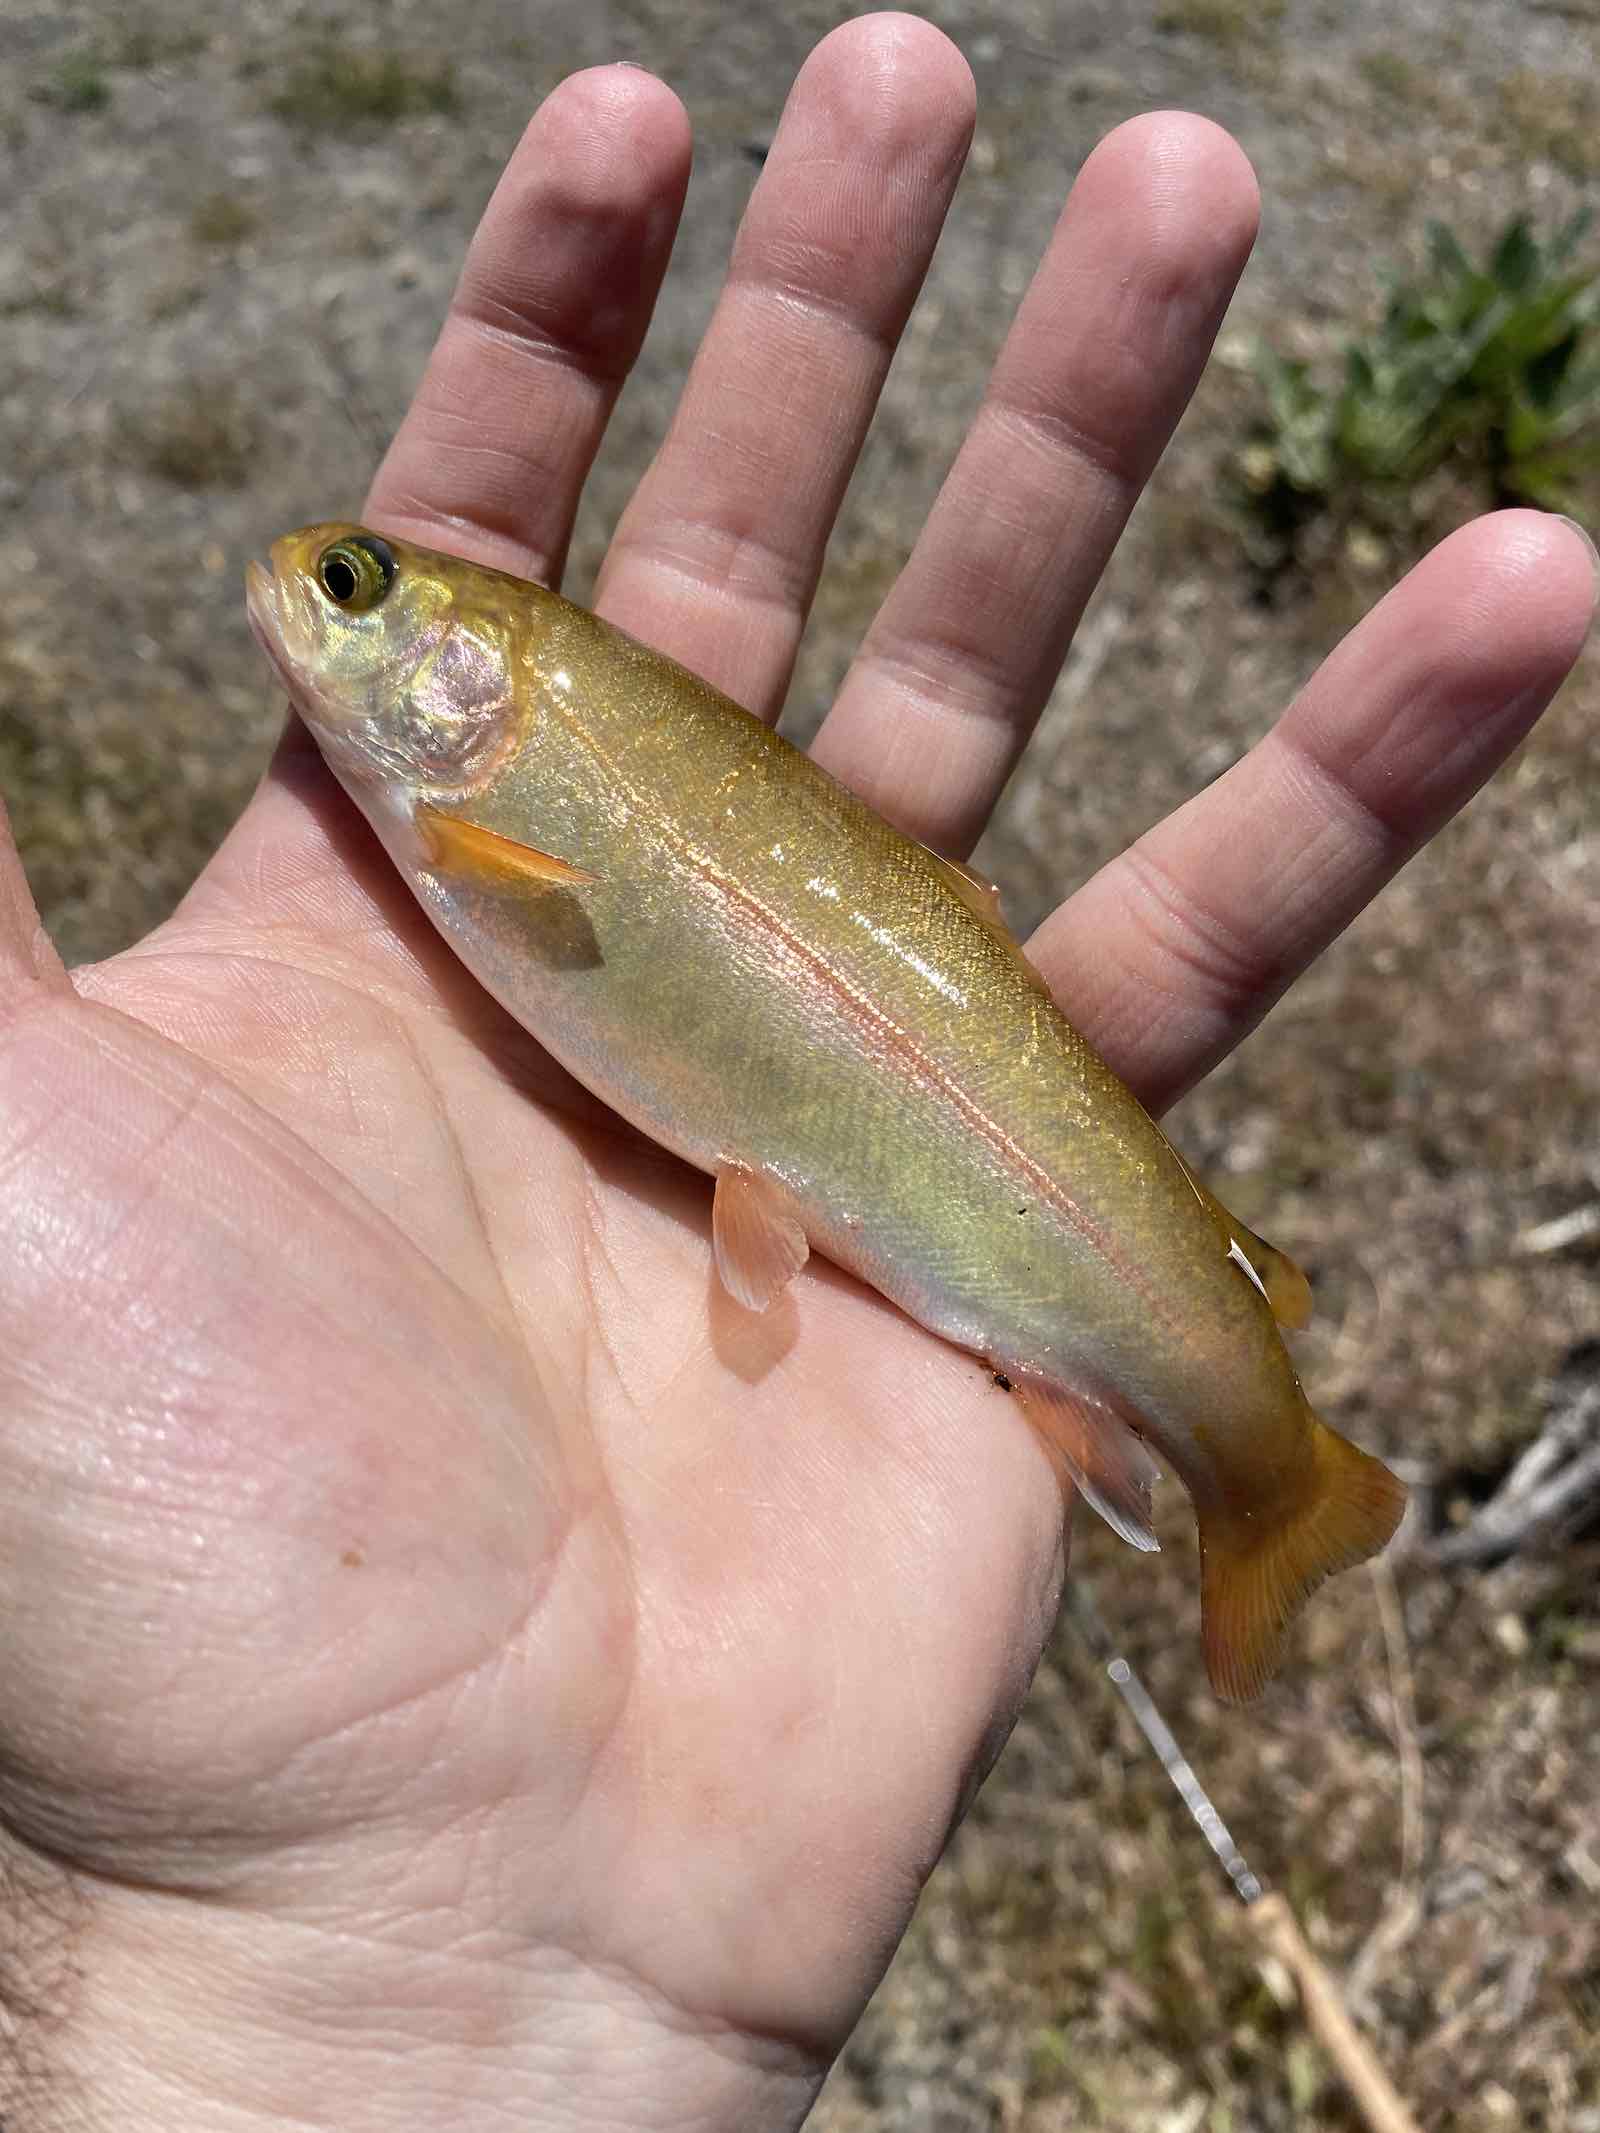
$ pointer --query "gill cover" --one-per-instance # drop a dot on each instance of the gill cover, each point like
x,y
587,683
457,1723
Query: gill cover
x,y
399,671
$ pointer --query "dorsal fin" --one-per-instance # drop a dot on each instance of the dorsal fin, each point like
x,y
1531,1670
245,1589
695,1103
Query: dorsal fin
x,y
976,891
982,899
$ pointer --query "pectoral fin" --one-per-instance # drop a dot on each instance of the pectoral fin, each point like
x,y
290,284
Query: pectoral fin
x,y
456,847
757,1235
1103,1457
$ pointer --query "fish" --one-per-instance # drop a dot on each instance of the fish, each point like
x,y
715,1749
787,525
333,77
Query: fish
x,y
832,1021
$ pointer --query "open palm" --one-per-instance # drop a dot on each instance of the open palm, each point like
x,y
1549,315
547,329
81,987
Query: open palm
x,y
453,1650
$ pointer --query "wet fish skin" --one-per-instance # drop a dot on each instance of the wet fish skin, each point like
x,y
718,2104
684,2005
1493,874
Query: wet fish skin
x,y
758,971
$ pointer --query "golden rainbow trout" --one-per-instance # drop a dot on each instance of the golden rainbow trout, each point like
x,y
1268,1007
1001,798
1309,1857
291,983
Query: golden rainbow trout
x,y
754,968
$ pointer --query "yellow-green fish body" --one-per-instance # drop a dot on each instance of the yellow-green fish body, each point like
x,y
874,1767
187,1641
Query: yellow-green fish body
x,y
758,971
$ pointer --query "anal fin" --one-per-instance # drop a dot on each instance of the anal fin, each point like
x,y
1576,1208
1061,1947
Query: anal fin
x,y
1103,1457
756,1233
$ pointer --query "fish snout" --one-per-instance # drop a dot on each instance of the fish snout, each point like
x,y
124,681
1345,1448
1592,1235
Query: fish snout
x,y
263,614
280,625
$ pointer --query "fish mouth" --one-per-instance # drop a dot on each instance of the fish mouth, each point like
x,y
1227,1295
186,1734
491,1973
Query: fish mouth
x,y
263,611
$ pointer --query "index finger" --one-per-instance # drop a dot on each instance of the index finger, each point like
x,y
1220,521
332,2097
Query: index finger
x,y
544,326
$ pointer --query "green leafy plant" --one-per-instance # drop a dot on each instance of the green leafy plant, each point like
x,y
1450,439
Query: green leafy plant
x,y
78,84
1494,369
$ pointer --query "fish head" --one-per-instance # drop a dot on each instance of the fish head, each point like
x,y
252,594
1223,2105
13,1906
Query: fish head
x,y
399,660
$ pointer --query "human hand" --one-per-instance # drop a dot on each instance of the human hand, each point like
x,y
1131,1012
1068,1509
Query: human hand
x,y
461,1670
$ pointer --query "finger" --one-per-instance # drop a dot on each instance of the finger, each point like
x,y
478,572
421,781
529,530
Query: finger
x,y
716,559
545,324
1105,351
27,958
1178,948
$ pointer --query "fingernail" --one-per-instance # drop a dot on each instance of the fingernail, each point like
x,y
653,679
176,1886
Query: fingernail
x,y
1588,542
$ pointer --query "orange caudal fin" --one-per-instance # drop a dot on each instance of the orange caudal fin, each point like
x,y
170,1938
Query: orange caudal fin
x,y
1257,1571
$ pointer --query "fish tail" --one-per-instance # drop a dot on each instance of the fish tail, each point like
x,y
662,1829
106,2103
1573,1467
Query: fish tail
x,y
1258,1570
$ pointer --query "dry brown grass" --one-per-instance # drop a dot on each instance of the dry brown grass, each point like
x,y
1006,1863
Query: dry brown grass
x,y
1555,116
201,434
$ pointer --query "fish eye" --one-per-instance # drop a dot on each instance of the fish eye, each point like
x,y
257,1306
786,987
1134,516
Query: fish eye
x,y
356,573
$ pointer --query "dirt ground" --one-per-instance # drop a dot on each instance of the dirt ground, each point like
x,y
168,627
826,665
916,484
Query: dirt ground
x,y
229,243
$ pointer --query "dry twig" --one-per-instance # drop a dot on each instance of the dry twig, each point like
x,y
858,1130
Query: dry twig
x,y
1402,1910
1552,1486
